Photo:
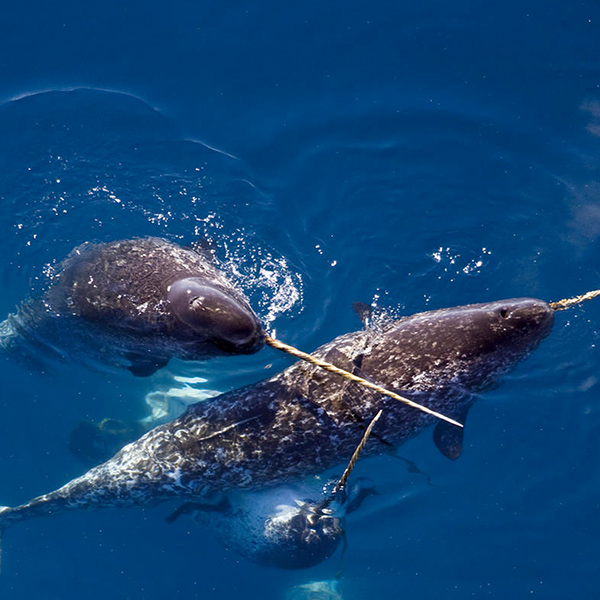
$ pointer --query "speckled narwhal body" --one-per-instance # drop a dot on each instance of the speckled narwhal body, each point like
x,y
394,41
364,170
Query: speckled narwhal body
x,y
304,421
135,303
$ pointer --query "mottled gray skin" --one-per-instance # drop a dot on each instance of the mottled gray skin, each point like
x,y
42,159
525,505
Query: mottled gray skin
x,y
304,421
134,303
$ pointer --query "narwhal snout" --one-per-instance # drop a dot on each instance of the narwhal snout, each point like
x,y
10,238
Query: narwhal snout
x,y
227,322
528,314
242,334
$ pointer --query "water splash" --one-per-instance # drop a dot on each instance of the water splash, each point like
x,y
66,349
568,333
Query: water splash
x,y
455,263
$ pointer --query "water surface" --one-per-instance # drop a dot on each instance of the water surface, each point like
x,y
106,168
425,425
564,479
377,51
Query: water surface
x,y
413,156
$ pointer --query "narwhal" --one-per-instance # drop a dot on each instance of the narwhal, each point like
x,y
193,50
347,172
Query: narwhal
x,y
303,421
133,303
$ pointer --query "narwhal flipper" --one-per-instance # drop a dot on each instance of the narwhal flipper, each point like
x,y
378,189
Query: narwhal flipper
x,y
189,507
448,438
144,366
359,494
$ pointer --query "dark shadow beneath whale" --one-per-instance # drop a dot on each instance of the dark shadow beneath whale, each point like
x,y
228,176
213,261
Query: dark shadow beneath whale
x,y
304,421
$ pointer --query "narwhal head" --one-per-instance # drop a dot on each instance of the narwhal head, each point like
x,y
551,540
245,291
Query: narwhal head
x,y
471,346
299,536
216,317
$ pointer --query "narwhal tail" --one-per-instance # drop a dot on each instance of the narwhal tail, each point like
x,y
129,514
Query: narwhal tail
x,y
8,516
3,512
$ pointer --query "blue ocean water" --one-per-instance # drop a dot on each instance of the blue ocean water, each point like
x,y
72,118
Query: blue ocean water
x,y
411,155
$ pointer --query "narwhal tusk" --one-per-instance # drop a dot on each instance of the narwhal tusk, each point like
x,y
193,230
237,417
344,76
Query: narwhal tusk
x,y
344,478
568,302
333,369
341,484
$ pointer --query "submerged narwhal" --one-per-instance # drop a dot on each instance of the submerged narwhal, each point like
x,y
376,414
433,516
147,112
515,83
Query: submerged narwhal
x,y
293,526
135,303
304,421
